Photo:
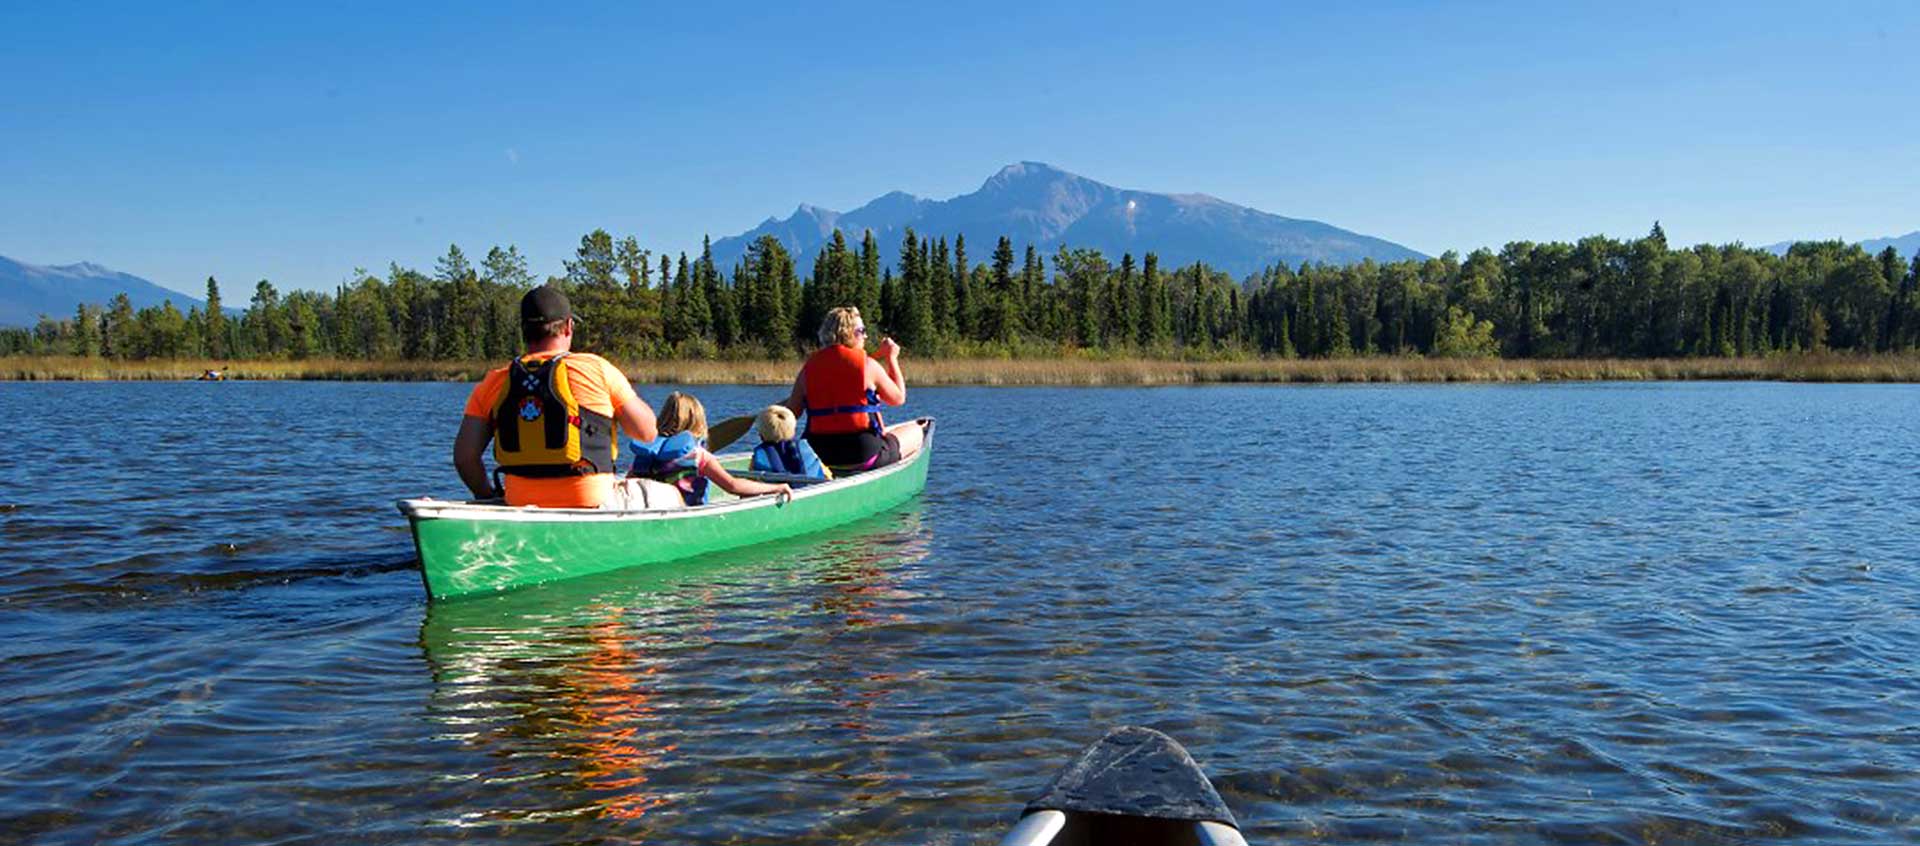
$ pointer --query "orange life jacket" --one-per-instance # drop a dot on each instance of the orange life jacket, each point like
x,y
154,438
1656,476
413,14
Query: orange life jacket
x,y
838,399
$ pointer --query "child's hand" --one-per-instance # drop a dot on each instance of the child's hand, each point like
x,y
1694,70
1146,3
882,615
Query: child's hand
x,y
782,492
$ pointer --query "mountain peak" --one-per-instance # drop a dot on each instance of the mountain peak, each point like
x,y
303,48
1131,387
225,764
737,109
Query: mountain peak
x,y
28,291
1024,172
86,268
1035,203
884,209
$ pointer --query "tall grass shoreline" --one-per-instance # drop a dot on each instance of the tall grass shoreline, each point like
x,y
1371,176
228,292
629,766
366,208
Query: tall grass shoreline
x,y
1047,371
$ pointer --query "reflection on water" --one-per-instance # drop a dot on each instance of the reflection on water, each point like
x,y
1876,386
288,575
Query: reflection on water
x,y
570,687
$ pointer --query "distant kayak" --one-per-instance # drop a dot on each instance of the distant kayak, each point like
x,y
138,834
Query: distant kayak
x,y
1133,786
472,548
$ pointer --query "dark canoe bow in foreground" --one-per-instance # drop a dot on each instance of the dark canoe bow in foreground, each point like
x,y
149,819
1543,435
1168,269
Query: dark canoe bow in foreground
x,y
1134,786
470,548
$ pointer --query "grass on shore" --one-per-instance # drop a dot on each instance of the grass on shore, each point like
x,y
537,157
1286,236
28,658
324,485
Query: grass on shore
x,y
1053,371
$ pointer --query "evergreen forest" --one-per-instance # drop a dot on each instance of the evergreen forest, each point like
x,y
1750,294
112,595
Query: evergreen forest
x,y
1598,297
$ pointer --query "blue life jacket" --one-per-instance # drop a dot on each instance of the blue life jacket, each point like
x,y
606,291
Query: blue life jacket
x,y
674,459
793,457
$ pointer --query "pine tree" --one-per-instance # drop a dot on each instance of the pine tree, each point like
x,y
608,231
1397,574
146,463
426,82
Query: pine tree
x,y
1125,321
1159,322
507,268
868,295
453,266
1084,272
216,328
998,309
117,329
890,302
639,304
915,322
266,324
86,331
723,317
1033,294
768,267
1340,333
1307,313
305,328
799,336
690,317
963,300
940,285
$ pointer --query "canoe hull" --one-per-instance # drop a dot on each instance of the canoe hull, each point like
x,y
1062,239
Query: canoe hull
x,y
468,549
1134,785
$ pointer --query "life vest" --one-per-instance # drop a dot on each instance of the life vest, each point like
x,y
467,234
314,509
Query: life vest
x,y
541,432
674,459
793,458
838,399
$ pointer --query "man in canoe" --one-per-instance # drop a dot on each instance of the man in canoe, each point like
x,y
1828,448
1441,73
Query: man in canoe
x,y
550,415
842,390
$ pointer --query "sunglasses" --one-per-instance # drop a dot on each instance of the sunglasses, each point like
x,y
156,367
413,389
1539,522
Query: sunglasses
x,y
860,332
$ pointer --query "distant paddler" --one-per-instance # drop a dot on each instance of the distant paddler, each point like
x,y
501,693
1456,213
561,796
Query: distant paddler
x,y
550,415
842,391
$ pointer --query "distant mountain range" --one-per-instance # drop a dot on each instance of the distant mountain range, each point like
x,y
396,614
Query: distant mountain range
x,y
30,290
1034,203
1906,245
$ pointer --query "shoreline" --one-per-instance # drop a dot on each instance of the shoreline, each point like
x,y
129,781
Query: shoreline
x,y
1039,372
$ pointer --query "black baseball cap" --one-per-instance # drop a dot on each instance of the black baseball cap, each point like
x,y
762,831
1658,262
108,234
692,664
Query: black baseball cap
x,y
545,304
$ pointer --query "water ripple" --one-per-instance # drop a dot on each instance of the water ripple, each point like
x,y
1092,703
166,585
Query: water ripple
x,y
1544,614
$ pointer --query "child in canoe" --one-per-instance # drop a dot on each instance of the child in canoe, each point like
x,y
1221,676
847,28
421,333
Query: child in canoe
x,y
679,456
780,451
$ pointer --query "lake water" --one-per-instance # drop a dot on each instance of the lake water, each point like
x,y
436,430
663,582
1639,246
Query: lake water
x,y
1546,614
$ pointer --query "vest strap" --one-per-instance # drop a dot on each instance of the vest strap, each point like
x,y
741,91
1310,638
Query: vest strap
x,y
847,409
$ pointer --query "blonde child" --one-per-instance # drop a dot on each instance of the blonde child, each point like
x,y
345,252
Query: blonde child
x,y
780,451
679,456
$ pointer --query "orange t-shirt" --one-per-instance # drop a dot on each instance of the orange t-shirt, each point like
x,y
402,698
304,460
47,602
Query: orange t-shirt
x,y
597,385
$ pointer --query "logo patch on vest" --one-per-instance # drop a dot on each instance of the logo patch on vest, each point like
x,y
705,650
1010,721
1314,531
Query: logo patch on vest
x,y
530,409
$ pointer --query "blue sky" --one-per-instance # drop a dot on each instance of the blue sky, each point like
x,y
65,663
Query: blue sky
x,y
177,141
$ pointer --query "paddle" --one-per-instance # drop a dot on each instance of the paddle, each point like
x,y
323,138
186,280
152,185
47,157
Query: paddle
x,y
722,434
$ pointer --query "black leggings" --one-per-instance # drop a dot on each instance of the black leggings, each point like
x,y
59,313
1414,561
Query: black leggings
x,y
852,452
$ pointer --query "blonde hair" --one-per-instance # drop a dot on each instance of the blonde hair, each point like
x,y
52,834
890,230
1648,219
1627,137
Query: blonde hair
x,y
682,413
839,326
776,424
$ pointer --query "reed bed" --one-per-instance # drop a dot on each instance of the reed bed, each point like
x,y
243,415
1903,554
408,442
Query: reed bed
x,y
1040,371
75,368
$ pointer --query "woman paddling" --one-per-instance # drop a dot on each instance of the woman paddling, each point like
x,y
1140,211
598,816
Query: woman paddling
x,y
842,390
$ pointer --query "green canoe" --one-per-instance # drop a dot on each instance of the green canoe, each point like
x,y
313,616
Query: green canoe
x,y
471,548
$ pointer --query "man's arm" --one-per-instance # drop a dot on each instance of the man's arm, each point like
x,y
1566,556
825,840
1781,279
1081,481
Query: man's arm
x,y
468,447
636,417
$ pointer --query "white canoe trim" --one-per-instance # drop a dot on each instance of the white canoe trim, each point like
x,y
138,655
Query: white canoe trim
x,y
1036,829
447,509
1219,834
1041,827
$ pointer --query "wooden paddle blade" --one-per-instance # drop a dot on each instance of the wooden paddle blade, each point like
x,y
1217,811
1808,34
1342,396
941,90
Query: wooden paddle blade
x,y
722,434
